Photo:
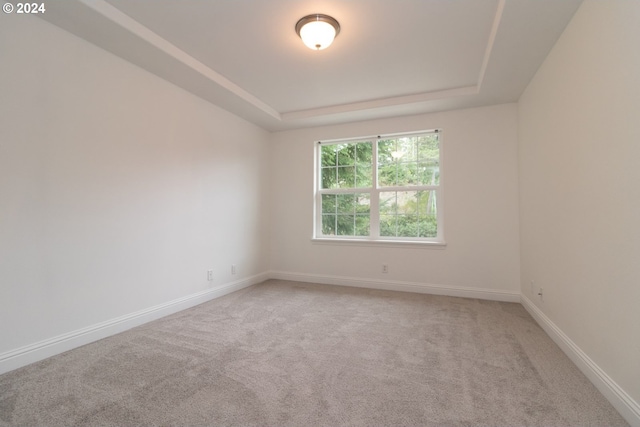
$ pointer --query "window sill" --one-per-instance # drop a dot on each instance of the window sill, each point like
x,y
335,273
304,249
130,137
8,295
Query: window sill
x,y
385,243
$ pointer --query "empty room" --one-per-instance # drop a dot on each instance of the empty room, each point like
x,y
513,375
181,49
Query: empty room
x,y
320,213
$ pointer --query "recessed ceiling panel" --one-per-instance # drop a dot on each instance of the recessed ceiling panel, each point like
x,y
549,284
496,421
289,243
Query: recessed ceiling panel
x,y
385,48
391,58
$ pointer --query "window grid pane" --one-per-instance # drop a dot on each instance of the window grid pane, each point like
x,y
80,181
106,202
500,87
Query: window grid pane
x,y
401,162
346,214
347,165
409,161
408,214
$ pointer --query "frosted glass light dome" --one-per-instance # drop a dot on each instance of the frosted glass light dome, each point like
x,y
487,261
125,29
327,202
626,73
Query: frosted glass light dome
x,y
317,31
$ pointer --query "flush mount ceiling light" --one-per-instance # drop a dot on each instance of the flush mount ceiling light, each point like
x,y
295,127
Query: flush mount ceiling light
x,y
317,31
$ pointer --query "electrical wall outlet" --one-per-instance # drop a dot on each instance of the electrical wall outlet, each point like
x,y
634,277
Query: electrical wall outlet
x,y
233,269
210,275
385,268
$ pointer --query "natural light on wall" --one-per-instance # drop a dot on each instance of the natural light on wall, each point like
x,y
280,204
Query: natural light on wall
x,y
317,31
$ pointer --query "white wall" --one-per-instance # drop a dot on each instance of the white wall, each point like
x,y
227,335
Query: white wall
x,y
118,190
579,162
480,208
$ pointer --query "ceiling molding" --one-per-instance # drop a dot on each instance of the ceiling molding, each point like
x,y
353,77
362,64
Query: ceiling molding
x,y
509,46
490,43
134,27
125,21
380,103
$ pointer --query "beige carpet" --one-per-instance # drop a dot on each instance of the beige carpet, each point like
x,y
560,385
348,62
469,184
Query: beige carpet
x,y
294,354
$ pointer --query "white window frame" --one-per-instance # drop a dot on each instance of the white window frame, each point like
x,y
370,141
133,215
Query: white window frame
x,y
374,237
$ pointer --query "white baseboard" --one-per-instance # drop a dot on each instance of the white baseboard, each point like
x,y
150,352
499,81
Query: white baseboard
x,y
31,353
624,404
628,408
23,356
388,285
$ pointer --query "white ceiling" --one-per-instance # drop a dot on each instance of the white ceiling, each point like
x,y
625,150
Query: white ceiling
x,y
391,58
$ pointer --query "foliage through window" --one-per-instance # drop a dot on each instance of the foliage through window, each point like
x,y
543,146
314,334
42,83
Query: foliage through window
x,y
384,188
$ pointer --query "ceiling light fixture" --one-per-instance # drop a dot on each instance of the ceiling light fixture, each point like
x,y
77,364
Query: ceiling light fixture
x,y
317,31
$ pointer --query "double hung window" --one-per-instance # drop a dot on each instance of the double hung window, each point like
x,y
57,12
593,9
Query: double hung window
x,y
380,188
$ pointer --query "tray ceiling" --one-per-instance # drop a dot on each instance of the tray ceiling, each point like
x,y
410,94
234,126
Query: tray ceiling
x,y
391,58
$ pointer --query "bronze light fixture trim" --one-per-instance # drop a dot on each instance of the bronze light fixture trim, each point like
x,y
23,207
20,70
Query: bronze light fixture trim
x,y
317,31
